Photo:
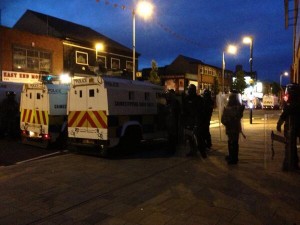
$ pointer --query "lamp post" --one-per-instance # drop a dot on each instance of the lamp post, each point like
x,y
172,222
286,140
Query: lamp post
x,y
282,74
143,9
249,40
231,49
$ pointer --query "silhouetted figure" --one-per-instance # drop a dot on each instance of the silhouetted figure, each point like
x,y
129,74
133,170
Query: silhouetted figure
x,y
9,116
290,118
231,119
172,119
193,113
208,110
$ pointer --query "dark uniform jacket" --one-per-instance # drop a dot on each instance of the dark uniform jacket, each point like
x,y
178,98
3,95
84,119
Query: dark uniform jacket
x,y
231,119
193,111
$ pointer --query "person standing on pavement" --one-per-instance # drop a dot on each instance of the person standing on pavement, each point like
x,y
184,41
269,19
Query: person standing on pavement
x,y
208,110
290,118
193,114
172,119
231,119
9,115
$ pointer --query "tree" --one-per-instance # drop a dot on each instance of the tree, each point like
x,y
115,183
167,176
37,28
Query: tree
x,y
154,78
239,84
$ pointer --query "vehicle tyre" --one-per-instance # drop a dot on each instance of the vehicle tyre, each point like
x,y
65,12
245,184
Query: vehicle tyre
x,y
131,138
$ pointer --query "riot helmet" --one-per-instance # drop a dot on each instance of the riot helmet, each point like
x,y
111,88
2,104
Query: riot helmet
x,y
192,90
234,98
10,94
207,93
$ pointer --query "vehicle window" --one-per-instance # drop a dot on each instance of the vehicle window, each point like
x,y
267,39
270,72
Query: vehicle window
x,y
91,93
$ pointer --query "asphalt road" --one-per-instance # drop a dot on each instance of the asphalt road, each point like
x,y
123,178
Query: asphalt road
x,y
153,187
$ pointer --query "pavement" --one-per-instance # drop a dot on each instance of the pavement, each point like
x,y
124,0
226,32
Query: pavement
x,y
157,189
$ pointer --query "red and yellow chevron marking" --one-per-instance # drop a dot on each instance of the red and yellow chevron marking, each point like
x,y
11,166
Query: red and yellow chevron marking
x,y
34,116
95,119
41,117
26,115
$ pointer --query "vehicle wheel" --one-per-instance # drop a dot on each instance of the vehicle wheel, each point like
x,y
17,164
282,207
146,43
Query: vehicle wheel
x,y
131,138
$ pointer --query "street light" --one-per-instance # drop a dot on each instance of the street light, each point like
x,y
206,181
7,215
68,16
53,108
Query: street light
x,y
283,74
249,41
99,47
231,49
143,9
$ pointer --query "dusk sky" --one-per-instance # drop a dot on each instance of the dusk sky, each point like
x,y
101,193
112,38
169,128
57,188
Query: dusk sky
x,y
199,29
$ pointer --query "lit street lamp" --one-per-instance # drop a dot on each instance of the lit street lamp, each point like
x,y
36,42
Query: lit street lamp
x,y
99,47
143,9
282,74
231,49
249,41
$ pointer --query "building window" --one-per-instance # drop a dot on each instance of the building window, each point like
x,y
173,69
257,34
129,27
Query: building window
x,y
201,70
82,58
129,66
101,60
115,64
31,60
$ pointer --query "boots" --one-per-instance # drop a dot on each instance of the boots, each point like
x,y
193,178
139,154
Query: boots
x,y
233,149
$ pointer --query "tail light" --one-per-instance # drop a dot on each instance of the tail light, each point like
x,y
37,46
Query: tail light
x,y
46,136
24,133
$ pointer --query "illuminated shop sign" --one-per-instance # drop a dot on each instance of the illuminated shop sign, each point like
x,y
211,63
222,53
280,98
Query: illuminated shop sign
x,y
19,77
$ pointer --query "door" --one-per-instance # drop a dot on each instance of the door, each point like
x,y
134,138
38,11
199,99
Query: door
x,y
96,118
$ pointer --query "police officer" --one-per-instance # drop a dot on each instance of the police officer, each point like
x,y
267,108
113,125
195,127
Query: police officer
x,y
172,119
231,119
208,110
193,113
291,120
9,115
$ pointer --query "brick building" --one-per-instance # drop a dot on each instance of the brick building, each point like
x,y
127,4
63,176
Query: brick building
x,y
186,70
40,42
23,55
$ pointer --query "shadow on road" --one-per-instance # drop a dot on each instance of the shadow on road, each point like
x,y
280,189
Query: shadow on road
x,y
12,151
157,149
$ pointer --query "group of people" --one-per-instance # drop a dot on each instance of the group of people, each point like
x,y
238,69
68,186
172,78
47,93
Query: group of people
x,y
195,116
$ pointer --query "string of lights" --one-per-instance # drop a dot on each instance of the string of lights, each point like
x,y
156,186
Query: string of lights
x,y
165,28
